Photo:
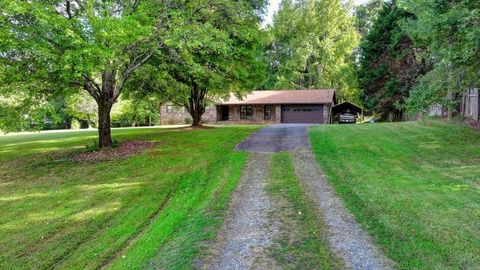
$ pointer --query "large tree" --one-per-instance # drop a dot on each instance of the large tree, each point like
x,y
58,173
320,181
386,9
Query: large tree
x,y
66,45
390,63
312,46
213,51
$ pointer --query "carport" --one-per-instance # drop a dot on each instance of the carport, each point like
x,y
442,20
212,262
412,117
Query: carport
x,y
346,107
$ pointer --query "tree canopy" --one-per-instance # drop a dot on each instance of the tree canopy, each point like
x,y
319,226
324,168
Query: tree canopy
x,y
389,63
212,51
450,31
311,46
63,46
73,44
366,15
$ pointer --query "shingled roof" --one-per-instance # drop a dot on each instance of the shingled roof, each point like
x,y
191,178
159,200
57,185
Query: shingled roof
x,y
324,96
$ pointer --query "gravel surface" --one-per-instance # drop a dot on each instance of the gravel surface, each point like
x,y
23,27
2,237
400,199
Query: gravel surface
x,y
345,236
247,231
276,138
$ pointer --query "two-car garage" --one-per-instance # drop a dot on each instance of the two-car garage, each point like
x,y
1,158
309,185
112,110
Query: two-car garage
x,y
306,114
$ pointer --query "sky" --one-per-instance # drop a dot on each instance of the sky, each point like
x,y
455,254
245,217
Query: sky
x,y
273,6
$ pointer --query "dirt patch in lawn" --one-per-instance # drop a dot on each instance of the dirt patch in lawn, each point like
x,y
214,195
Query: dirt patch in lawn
x,y
187,128
125,149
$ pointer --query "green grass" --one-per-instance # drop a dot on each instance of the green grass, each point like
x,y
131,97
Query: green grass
x,y
302,243
156,209
414,187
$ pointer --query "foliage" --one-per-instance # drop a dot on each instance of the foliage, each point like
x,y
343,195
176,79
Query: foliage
x,y
312,45
414,187
366,15
18,114
451,33
390,63
63,46
212,51
136,112
156,209
82,108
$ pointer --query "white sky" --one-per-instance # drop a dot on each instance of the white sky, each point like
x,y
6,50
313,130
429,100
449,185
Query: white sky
x,y
273,6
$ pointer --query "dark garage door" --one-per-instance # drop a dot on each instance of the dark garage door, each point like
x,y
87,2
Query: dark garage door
x,y
311,114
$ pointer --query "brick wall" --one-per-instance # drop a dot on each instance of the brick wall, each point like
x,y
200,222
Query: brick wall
x,y
180,116
257,115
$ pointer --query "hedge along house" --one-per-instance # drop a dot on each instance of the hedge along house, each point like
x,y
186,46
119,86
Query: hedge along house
x,y
263,107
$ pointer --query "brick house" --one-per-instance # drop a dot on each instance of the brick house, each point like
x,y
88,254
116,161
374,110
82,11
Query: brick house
x,y
263,107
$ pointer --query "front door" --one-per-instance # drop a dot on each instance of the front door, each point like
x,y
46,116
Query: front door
x,y
225,113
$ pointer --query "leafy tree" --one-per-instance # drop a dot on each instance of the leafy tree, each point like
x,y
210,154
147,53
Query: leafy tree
x,y
66,45
390,63
214,51
450,31
312,45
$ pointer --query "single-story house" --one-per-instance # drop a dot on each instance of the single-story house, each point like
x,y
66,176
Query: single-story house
x,y
263,107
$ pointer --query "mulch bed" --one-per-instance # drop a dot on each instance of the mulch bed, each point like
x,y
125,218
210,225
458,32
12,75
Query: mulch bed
x,y
126,149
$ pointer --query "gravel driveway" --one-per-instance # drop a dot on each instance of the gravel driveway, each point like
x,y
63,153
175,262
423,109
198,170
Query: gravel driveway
x,y
247,232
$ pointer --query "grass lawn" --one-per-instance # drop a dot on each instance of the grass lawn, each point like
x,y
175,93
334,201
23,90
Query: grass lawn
x,y
153,210
415,188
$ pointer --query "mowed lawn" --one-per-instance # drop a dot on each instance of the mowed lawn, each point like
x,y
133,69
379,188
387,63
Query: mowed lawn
x,y
414,187
153,210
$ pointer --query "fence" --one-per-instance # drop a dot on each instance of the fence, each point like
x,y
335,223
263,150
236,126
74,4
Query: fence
x,y
469,106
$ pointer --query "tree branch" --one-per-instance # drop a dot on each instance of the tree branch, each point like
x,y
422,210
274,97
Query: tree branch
x,y
92,87
136,63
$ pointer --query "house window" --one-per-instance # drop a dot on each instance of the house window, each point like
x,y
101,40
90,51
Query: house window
x,y
267,112
246,112
170,108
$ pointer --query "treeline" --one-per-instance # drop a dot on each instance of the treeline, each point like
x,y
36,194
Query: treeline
x,y
79,63
396,58
418,53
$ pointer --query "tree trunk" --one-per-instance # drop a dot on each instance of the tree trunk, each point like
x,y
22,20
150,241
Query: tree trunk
x,y
450,109
196,104
196,118
104,132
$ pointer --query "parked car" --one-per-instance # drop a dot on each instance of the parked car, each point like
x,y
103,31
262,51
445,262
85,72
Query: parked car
x,y
347,118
